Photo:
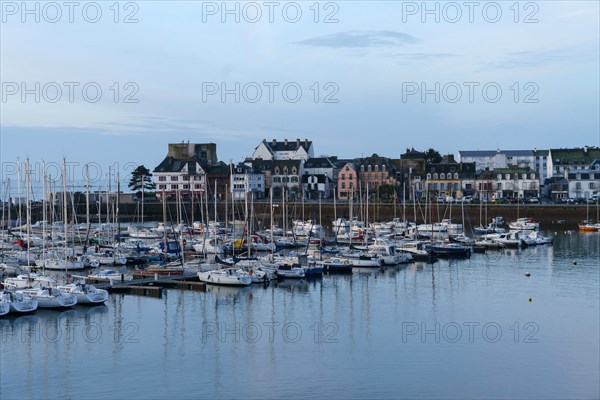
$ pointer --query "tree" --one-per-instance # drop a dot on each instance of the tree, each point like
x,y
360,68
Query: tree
x,y
139,175
433,156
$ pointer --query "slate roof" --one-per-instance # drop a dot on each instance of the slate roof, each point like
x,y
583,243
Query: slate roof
x,y
170,164
292,145
319,162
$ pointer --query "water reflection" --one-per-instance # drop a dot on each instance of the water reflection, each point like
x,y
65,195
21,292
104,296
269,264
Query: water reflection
x,y
209,342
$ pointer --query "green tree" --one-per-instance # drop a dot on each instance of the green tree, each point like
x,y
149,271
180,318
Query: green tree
x,y
141,176
433,156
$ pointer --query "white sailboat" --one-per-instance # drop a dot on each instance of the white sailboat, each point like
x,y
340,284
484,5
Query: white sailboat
x,y
86,294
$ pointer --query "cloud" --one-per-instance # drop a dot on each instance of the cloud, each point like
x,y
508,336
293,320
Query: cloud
x,y
361,39
534,59
423,56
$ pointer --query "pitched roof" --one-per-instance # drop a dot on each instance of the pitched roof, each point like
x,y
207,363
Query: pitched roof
x,y
575,155
289,145
319,162
170,164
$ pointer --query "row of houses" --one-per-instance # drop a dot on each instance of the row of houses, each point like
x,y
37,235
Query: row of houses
x,y
290,168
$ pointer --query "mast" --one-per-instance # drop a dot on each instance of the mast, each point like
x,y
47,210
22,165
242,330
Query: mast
x,y
118,221
164,211
143,201
271,207
20,219
28,210
44,216
66,225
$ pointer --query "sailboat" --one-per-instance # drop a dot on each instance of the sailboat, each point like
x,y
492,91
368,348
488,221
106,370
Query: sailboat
x,y
587,225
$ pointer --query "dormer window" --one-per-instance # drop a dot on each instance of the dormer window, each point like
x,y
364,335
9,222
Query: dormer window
x,y
442,176
524,176
362,168
377,168
435,176
507,176
456,175
383,168
276,170
369,168
499,177
428,176
294,170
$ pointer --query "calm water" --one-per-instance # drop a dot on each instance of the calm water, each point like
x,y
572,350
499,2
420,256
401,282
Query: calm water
x,y
459,329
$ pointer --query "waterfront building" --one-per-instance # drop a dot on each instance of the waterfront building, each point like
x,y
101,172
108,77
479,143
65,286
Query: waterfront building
x,y
584,182
560,161
374,172
244,179
347,181
445,179
184,168
320,174
284,150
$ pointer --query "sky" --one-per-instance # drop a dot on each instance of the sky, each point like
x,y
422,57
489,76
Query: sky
x,y
355,77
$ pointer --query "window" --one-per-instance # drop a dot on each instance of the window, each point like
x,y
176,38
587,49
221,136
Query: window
x,y
163,187
276,170
285,179
507,176
347,168
196,186
592,185
435,176
383,168
442,176
343,185
362,168
162,178
294,179
186,187
499,177
350,176
456,175
197,178
174,187
499,186
186,177
524,176
428,176
343,176
276,179
369,168
532,176
174,178
376,168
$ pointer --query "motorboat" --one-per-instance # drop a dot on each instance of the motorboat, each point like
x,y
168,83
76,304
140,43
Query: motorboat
x,y
524,224
21,303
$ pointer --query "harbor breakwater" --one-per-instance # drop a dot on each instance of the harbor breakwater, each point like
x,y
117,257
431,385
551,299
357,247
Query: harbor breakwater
x,y
568,215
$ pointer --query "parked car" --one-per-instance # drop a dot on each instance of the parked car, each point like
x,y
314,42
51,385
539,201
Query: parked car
x,y
593,199
535,200
467,199
440,199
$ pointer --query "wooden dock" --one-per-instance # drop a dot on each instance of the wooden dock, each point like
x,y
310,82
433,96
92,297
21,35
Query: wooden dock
x,y
153,286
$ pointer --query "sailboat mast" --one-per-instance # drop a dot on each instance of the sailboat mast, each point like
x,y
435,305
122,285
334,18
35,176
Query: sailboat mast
x,y
66,224
28,209
44,216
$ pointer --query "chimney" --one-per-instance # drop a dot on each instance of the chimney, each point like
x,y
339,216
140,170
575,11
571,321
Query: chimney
x,y
306,142
297,142
585,149
286,141
274,142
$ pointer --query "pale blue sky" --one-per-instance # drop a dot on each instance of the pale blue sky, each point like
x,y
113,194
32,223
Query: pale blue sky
x,y
369,55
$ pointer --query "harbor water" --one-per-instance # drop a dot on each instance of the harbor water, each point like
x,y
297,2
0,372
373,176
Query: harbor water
x,y
474,328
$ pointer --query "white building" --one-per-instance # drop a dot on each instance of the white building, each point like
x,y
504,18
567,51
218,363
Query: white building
x,y
244,179
492,159
319,176
286,150
561,161
184,168
583,183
